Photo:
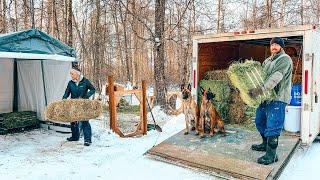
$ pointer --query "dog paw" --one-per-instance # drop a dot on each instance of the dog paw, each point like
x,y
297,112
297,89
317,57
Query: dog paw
x,y
202,136
211,135
185,133
197,133
193,128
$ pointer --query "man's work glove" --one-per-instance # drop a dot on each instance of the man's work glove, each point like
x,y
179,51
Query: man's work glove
x,y
256,92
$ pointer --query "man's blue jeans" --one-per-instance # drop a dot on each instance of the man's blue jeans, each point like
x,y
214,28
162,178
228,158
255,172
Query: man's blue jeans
x,y
85,125
270,118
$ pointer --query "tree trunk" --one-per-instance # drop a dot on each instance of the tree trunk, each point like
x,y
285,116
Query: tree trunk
x,y
254,14
70,34
55,20
3,7
125,37
135,59
282,13
159,62
219,15
33,25
41,15
302,12
25,14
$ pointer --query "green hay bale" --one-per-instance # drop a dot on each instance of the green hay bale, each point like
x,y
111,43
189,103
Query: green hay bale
x,y
220,88
73,110
246,76
18,119
223,110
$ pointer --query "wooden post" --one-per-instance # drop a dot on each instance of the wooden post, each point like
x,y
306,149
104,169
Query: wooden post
x,y
112,107
144,106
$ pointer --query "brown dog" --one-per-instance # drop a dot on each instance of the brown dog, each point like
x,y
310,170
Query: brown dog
x,y
208,110
189,109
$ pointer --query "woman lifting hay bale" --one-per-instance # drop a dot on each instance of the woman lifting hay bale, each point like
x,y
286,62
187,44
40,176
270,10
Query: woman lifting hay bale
x,y
81,89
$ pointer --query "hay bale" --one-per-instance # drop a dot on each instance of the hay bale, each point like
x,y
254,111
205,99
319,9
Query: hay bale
x,y
223,110
18,119
237,108
297,65
246,76
297,79
69,110
250,113
216,75
220,88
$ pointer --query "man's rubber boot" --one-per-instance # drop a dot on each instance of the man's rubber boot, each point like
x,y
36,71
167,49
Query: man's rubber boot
x,y
271,152
72,139
87,143
260,147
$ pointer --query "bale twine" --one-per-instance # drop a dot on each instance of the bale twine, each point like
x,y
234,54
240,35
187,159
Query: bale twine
x,y
73,110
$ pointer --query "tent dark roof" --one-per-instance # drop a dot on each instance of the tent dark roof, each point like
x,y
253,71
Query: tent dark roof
x,y
34,41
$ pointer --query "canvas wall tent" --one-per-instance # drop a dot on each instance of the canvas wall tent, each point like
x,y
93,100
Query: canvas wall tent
x,y
34,70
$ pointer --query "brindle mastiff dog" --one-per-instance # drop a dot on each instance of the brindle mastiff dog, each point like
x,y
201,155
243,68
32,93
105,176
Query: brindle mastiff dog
x,y
208,110
189,109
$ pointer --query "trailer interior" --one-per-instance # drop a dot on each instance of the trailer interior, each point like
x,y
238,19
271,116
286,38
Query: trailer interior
x,y
219,55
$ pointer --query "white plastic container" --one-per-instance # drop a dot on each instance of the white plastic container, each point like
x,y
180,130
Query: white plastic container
x,y
292,118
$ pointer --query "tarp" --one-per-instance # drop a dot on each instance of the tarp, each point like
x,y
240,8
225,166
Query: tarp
x,y
6,85
43,66
34,41
33,89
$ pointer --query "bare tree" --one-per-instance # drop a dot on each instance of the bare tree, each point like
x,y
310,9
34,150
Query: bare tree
x,y
69,25
160,85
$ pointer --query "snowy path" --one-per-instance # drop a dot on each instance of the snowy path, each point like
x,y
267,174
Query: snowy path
x,y
43,154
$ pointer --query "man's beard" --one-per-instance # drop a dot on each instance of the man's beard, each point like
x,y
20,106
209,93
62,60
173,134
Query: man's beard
x,y
274,51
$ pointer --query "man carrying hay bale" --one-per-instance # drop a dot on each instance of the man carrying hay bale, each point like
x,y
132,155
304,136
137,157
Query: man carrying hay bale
x,y
78,87
270,114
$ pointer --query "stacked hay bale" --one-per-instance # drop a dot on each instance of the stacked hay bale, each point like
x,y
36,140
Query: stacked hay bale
x,y
246,76
216,75
15,120
238,112
221,89
297,71
69,110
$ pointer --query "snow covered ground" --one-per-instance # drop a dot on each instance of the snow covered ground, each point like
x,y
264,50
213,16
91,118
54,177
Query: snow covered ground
x,y
43,154
304,164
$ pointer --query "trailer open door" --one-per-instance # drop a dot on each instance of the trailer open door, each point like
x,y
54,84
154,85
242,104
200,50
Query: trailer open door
x,y
310,121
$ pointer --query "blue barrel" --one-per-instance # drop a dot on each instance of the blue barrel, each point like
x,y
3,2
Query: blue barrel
x,y
296,95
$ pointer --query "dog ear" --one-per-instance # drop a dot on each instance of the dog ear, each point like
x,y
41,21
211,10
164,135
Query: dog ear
x,y
181,87
189,87
201,90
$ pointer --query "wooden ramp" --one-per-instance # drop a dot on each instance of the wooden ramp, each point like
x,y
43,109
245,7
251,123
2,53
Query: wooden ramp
x,y
228,157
